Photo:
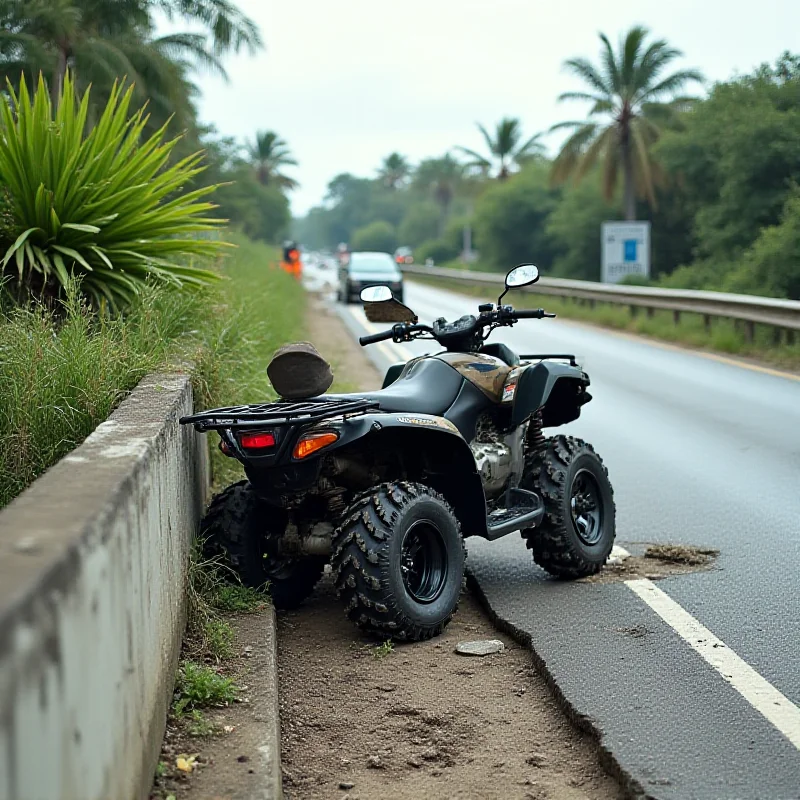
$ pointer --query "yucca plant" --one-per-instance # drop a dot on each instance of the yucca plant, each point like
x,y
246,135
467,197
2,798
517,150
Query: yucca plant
x,y
99,204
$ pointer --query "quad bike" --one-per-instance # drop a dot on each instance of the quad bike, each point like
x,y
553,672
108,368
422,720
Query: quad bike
x,y
387,484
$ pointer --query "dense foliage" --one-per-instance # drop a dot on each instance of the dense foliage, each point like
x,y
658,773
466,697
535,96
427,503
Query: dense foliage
x,y
97,204
102,42
725,211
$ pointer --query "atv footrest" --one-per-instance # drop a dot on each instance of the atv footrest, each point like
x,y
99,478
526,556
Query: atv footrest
x,y
523,509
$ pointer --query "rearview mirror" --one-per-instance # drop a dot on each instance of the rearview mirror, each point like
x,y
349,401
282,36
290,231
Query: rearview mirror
x,y
522,275
376,294
380,306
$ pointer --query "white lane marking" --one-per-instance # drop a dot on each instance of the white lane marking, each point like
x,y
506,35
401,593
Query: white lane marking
x,y
401,352
758,691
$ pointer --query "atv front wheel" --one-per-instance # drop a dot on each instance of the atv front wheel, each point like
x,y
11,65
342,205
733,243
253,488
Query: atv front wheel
x,y
245,532
398,561
577,533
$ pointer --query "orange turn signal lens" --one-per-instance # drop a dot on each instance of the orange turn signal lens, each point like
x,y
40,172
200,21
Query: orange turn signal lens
x,y
312,442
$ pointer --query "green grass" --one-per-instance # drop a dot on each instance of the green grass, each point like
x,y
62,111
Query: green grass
x,y
197,724
219,636
61,376
238,598
200,686
259,309
383,650
723,336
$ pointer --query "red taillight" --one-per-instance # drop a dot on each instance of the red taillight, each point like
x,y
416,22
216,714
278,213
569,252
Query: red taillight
x,y
257,441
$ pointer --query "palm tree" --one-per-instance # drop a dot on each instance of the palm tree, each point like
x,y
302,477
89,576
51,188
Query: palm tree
x,y
394,170
632,99
103,40
267,155
442,177
505,149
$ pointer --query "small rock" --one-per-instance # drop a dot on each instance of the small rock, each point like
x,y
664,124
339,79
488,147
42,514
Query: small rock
x,y
436,773
374,762
414,762
242,759
247,652
499,764
344,761
482,647
430,754
345,785
536,760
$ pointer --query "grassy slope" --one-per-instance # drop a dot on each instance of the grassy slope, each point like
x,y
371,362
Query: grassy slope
x,y
58,383
723,337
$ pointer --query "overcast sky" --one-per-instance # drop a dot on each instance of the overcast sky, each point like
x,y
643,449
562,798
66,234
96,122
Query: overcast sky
x,y
346,83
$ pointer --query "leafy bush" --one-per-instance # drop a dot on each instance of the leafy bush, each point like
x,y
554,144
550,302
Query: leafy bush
x,y
102,206
420,224
439,250
511,218
379,236
772,265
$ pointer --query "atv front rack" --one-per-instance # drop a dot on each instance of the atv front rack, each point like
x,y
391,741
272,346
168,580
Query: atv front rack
x,y
281,412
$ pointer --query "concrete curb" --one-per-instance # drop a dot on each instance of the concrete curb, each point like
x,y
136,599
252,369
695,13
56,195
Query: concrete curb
x,y
270,750
93,563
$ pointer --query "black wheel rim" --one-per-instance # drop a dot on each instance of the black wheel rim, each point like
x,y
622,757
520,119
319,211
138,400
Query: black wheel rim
x,y
423,562
586,507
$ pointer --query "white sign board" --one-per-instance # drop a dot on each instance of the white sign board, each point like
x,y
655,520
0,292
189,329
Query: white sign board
x,y
626,250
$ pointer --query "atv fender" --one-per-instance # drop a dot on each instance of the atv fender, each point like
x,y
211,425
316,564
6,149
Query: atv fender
x,y
558,390
434,453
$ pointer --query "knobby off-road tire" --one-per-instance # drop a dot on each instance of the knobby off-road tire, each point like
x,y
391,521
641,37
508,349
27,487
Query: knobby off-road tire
x,y
398,562
577,533
244,531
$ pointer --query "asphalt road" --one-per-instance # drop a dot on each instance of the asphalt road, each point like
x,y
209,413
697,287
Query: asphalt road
x,y
700,452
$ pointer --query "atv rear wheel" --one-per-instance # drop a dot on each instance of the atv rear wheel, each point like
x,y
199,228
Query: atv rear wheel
x,y
398,561
577,533
245,532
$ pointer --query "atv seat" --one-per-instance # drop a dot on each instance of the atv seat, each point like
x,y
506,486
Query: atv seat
x,y
428,386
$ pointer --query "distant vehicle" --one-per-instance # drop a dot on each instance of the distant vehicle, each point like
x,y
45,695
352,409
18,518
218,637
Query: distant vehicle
x,y
368,269
403,255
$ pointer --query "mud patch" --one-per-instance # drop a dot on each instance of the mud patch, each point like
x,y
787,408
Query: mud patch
x,y
681,554
655,561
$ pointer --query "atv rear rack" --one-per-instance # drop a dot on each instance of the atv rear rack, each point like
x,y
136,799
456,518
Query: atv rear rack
x,y
281,412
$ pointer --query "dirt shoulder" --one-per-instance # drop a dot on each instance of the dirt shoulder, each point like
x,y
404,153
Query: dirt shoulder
x,y
376,723
419,721
352,370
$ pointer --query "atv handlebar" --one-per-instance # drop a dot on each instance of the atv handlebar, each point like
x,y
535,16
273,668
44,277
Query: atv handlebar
x,y
375,337
532,313
450,334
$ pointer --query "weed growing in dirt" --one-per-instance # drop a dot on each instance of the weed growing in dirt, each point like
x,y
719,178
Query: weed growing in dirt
x,y
383,650
238,598
197,725
199,686
219,638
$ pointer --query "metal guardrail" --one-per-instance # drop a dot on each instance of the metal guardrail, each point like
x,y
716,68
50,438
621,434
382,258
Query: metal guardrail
x,y
747,310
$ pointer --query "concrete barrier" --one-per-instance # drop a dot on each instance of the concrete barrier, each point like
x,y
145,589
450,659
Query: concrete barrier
x,y
92,569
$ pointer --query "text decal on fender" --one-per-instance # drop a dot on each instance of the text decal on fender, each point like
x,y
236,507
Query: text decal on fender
x,y
431,422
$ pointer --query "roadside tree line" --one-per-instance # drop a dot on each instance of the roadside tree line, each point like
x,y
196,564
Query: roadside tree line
x,y
717,177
